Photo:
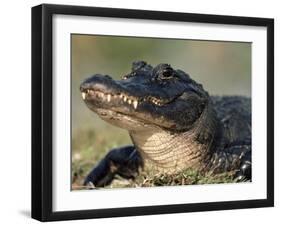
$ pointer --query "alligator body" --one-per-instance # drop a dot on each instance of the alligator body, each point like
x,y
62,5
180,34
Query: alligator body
x,y
173,123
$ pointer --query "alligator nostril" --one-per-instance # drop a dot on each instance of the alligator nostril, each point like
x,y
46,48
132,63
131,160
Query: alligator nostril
x,y
83,88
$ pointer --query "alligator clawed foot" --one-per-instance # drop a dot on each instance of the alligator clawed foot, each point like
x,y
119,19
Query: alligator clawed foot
x,y
124,161
89,185
244,173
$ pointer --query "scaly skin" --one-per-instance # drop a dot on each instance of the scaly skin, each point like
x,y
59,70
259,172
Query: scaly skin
x,y
173,123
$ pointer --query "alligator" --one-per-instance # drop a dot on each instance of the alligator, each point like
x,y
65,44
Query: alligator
x,y
173,123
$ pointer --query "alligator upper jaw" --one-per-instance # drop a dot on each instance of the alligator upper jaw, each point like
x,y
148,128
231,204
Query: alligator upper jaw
x,y
120,98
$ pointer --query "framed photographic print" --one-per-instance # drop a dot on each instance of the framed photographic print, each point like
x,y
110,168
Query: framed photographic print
x,y
146,112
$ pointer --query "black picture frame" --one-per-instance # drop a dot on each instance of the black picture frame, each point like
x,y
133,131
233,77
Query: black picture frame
x,y
42,197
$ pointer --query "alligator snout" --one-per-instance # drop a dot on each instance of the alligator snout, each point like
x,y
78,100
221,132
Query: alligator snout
x,y
98,82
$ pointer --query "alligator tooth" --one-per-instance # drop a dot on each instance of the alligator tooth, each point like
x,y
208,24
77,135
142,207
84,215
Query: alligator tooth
x,y
129,101
108,97
83,95
125,98
135,103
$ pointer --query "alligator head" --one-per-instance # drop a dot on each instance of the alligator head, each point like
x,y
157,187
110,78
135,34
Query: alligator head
x,y
153,104
159,96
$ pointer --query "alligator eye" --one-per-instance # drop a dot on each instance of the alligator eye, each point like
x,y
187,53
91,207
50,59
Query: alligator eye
x,y
167,73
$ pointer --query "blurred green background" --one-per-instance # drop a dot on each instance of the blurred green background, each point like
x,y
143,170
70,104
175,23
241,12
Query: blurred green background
x,y
223,68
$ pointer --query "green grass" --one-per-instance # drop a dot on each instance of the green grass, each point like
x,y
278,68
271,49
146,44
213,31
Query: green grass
x,y
150,178
90,146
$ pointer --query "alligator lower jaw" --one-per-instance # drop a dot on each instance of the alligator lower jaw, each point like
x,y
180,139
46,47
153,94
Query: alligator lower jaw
x,y
125,121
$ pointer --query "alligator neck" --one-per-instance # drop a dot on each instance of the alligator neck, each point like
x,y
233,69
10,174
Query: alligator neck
x,y
180,150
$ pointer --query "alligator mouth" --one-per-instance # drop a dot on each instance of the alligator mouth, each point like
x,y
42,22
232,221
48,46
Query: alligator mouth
x,y
122,98
127,107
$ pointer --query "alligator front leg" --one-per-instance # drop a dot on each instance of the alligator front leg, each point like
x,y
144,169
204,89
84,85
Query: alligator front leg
x,y
236,158
124,161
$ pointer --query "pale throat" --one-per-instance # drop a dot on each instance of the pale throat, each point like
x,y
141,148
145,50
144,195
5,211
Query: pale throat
x,y
177,151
